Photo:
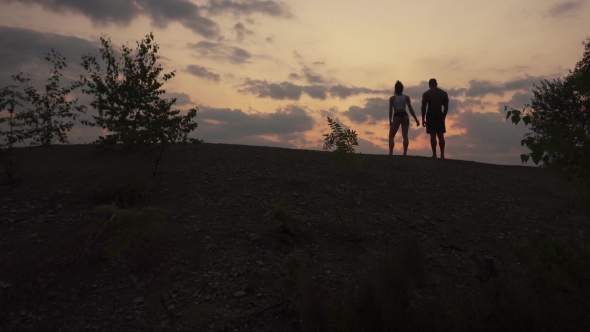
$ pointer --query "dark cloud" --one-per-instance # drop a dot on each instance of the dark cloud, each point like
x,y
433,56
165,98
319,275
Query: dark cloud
x,y
479,88
220,51
279,91
182,99
288,90
294,76
311,77
225,124
369,132
23,50
486,138
319,63
316,91
375,109
241,31
248,7
566,7
270,40
518,101
344,92
203,73
122,12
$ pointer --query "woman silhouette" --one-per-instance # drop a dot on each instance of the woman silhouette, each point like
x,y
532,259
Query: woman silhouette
x,y
397,108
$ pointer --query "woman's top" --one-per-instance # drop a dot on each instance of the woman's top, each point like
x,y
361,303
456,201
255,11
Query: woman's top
x,y
399,103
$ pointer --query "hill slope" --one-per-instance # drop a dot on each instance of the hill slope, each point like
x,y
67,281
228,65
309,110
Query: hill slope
x,y
215,257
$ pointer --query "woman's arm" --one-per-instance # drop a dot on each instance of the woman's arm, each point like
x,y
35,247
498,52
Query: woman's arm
x,y
412,110
390,110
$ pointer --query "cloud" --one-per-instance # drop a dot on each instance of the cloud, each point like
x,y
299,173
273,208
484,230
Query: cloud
x,y
517,101
241,31
291,91
219,51
270,40
23,50
235,125
203,73
312,77
487,137
278,91
344,92
565,8
294,76
316,91
182,99
248,7
375,109
479,88
319,63
123,12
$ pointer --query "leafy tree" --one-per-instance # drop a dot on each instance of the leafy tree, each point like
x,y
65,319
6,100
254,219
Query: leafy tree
x,y
127,95
559,119
15,132
52,112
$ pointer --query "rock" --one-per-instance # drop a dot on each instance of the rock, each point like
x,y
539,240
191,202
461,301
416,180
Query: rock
x,y
138,300
171,307
239,294
260,263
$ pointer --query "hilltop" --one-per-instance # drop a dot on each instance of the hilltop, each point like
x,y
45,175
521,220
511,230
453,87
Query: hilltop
x,y
216,261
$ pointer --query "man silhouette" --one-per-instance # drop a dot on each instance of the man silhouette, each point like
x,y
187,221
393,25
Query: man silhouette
x,y
435,105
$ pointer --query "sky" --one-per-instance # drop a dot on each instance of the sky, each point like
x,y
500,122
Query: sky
x,y
265,72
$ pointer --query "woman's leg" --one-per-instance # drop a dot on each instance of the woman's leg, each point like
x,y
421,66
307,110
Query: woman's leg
x,y
405,127
392,131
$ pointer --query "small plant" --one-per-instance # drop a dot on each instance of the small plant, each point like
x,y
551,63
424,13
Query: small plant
x,y
282,222
381,300
297,268
347,216
124,189
127,229
344,140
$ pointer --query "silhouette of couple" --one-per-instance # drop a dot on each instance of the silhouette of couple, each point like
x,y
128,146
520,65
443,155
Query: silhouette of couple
x,y
435,105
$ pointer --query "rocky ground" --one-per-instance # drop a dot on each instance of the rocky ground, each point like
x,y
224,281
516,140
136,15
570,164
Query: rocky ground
x,y
215,262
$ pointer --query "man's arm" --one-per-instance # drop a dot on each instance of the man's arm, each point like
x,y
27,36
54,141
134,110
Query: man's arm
x,y
423,109
446,104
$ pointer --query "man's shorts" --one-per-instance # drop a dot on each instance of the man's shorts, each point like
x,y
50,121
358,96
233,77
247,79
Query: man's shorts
x,y
435,124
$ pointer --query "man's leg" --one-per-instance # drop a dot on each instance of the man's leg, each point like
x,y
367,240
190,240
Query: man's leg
x,y
433,143
441,143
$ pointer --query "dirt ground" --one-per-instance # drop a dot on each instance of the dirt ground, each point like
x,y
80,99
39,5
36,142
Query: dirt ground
x,y
215,262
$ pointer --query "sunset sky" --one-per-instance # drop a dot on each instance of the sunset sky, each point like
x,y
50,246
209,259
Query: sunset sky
x,y
266,72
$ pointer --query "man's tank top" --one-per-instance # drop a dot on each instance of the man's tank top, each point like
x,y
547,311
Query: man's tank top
x,y
399,102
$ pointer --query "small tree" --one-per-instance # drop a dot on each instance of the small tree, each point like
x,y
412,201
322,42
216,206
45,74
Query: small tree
x,y
52,112
559,119
127,95
15,131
